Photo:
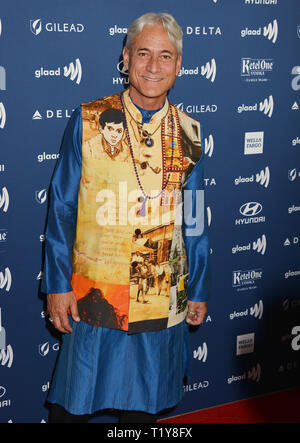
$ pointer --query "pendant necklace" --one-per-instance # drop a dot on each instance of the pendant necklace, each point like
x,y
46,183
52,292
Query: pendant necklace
x,y
146,197
145,135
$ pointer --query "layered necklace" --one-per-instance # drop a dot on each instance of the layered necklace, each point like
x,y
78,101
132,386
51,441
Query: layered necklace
x,y
145,135
146,197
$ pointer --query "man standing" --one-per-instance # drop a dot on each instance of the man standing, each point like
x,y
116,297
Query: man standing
x,y
97,203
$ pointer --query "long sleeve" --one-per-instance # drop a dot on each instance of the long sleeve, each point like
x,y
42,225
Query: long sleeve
x,y
194,225
62,215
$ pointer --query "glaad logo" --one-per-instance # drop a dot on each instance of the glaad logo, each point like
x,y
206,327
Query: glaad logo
x,y
266,106
2,115
209,70
36,27
41,196
4,199
259,246
262,177
291,274
256,311
253,374
296,79
209,145
201,353
116,30
296,141
6,356
270,31
42,157
5,280
293,208
72,71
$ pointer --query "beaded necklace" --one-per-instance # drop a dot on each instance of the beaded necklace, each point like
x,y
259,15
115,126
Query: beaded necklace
x,y
145,135
146,197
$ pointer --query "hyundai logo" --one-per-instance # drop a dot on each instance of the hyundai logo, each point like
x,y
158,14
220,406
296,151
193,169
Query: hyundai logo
x,y
250,209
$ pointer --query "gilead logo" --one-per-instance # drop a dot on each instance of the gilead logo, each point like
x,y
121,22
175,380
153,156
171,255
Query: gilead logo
x,y
36,27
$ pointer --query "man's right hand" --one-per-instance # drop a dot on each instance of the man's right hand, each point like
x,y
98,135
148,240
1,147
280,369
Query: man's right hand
x,y
58,307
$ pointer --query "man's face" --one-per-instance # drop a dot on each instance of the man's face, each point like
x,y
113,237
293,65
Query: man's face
x,y
112,132
153,65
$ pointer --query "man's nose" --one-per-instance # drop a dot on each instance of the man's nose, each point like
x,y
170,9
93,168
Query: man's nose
x,y
153,65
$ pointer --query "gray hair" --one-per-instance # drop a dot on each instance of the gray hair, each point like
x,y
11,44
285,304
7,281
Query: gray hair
x,y
152,19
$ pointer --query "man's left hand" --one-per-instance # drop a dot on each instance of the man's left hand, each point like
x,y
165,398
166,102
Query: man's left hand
x,y
196,312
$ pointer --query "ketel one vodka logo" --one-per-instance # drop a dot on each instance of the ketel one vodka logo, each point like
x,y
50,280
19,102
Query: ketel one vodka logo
x,y
73,71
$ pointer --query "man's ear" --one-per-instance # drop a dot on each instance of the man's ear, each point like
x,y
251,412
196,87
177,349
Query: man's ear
x,y
126,57
178,64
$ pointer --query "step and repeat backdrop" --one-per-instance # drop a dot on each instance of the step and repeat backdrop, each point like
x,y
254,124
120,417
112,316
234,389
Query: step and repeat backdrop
x,y
240,77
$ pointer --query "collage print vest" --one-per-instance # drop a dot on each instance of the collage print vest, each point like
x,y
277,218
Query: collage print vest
x,y
129,261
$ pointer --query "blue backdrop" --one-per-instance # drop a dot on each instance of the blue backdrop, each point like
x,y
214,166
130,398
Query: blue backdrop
x,y
241,78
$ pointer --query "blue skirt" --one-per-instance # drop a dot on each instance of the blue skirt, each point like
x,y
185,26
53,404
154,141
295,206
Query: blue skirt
x,y
101,368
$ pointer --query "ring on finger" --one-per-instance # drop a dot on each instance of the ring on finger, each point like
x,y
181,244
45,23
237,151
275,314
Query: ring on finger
x,y
192,312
